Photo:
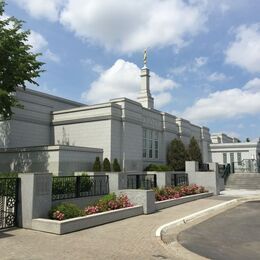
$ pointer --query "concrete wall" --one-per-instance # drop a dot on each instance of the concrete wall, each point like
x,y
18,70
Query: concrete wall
x,y
31,126
59,160
210,180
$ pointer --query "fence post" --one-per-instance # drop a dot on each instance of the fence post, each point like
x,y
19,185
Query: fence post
x,y
137,181
175,180
77,186
155,180
35,197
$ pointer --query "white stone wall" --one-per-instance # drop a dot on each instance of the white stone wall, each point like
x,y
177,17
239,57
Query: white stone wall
x,y
31,126
58,160
87,134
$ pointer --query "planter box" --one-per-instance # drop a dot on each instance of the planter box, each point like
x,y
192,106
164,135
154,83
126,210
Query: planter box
x,y
75,224
173,202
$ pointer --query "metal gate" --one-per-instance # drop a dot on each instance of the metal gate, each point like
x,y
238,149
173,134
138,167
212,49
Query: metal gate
x,y
8,202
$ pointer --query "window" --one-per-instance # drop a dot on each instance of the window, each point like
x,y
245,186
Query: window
x,y
156,145
231,157
239,158
224,158
145,142
150,144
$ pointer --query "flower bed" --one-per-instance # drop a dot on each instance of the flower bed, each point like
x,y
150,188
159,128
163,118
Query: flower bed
x,y
74,224
167,193
106,203
67,217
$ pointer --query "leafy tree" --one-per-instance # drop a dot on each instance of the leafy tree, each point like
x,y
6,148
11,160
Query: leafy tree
x,y
247,139
116,166
194,151
106,165
97,165
18,65
176,155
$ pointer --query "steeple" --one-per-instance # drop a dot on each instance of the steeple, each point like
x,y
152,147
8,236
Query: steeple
x,y
145,97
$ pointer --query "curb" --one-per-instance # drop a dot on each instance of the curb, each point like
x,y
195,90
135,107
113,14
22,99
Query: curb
x,y
163,229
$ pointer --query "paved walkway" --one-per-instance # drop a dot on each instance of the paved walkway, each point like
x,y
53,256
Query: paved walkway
x,y
132,238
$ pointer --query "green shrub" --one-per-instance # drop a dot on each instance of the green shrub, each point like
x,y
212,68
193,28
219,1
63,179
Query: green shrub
x,y
8,175
97,165
177,155
106,165
68,210
194,151
85,183
157,168
103,202
116,166
63,185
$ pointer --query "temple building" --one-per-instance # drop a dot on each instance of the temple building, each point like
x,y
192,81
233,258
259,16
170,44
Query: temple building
x,y
61,136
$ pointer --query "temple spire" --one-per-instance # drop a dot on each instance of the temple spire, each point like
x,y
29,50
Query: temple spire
x,y
145,97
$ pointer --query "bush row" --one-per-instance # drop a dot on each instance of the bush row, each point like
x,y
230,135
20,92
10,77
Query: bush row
x,y
106,166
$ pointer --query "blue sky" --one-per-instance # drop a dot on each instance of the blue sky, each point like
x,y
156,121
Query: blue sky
x,y
204,55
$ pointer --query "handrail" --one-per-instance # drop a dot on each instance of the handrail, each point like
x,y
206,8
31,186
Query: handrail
x,y
226,172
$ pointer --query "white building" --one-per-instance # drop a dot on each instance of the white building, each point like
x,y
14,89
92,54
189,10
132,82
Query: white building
x,y
133,132
244,156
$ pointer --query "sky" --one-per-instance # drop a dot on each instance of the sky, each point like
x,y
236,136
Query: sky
x,y
204,55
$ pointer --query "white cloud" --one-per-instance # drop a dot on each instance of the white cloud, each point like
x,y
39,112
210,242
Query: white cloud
x,y
201,61
245,50
253,85
123,80
97,68
129,26
52,56
40,44
48,9
229,103
218,76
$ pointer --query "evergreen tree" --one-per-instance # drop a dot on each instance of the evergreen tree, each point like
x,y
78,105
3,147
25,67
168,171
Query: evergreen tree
x,y
176,155
106,165
194,152
116,166
97,165
18,64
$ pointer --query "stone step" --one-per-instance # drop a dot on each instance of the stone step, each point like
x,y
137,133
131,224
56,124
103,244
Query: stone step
x,y
249,181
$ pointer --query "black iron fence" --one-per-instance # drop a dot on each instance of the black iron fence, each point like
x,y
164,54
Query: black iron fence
x,y
141,181
203,167
67,187
178,179
8,202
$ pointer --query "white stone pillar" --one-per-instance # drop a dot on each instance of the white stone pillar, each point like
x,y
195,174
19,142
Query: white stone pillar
x,y
35,197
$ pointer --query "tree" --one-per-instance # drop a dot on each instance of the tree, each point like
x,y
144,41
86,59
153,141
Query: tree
x,y
176,155
194,151
247,139
97,165
116,166
106,165
18,65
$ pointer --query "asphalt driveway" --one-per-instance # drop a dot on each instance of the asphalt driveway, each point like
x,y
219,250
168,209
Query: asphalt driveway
x,y
234,234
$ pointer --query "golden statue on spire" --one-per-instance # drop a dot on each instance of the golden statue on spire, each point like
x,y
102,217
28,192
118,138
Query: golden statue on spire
x,y
145,57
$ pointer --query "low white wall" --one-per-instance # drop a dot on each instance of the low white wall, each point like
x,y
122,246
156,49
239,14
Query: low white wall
x,y
146,198
174,202
58,160
210,180
75,224
82,202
